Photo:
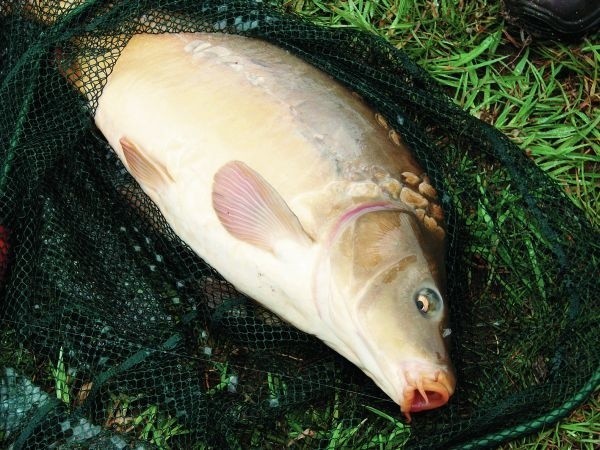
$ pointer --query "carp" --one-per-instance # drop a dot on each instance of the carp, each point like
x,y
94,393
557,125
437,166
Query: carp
x,y
295,190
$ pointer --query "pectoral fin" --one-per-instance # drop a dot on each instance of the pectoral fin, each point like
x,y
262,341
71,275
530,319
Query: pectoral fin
x,y
149,173
252,210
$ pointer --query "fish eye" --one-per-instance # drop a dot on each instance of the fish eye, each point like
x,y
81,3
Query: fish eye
x,y
422,303
427,300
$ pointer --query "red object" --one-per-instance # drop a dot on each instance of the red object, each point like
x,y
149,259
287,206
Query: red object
x,y
3,252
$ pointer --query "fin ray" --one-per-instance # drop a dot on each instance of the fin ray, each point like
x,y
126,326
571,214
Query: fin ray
x,y
251,209
149,173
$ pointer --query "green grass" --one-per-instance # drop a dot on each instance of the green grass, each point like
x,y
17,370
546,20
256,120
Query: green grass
x,y
581,430
127,416
62,379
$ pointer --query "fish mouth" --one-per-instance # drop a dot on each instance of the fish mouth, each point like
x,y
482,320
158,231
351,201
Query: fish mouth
x,y
426,390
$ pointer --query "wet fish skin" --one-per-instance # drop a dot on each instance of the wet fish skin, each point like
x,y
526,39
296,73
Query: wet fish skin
x,y
293,189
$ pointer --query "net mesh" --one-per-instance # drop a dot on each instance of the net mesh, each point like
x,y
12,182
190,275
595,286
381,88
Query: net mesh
x,y
115,334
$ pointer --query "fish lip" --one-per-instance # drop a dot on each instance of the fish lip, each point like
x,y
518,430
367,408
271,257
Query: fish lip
x,y
426,387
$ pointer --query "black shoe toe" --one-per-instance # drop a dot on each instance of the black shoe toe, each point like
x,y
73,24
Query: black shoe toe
x,y
563,19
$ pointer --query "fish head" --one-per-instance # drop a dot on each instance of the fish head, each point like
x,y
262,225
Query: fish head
x,y
394,272
403,318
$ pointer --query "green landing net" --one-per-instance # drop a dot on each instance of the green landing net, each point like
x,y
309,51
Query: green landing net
x,y
114,334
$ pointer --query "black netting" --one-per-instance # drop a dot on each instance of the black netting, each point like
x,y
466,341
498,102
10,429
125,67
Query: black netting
x,y
115,334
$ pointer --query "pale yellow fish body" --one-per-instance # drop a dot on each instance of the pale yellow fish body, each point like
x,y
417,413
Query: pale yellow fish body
x,y
292,188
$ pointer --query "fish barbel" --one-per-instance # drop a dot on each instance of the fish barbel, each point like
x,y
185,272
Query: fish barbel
x,y
295,191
